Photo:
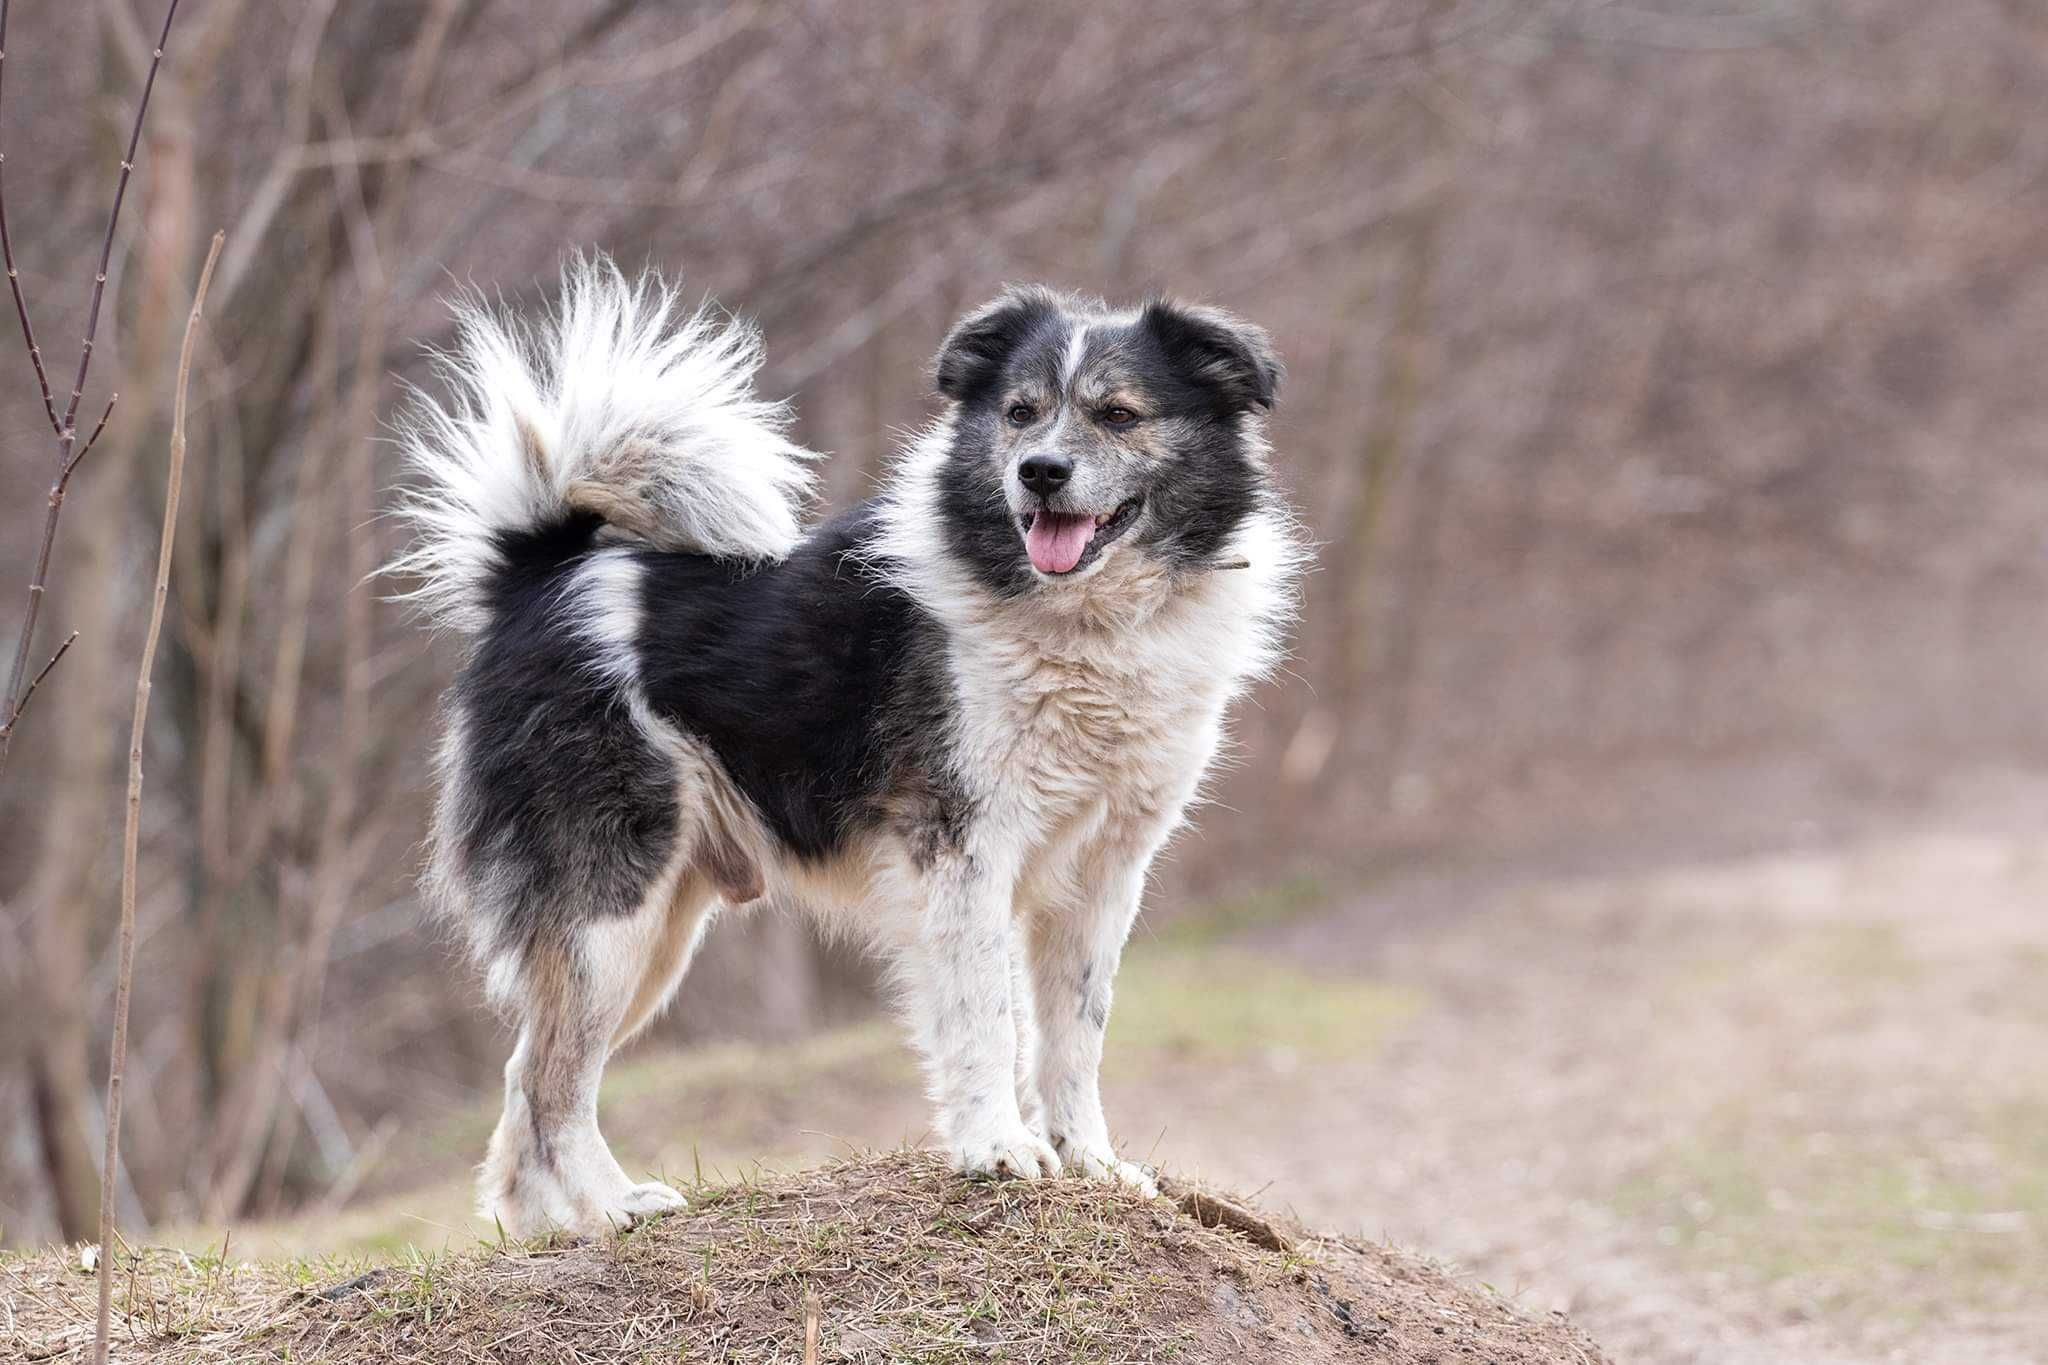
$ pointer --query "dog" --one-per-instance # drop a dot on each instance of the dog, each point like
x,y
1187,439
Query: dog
x,y
956,721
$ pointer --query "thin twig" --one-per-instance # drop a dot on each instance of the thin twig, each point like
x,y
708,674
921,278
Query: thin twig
x,y
132,833
93,439
276,185
37,681
540,84
67,433
99,279
37,587
28,331
546,76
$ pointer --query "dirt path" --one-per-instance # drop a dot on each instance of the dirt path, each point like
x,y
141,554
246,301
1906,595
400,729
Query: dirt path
x,y
1779,1108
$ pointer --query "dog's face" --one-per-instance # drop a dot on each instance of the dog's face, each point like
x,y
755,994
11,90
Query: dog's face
x,y
1081,435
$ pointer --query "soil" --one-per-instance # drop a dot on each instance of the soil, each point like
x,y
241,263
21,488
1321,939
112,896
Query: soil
x,y
883,1259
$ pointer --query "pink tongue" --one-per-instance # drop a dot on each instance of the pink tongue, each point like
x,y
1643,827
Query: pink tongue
x,y
1056,540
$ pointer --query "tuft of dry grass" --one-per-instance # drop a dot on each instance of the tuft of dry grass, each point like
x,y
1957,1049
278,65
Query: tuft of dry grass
x,y
879,1258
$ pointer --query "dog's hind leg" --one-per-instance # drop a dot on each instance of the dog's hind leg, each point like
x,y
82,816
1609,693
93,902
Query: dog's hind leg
x,y
720,874
548,1167
690,913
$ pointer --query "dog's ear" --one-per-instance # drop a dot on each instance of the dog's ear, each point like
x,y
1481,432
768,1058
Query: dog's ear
x,y
1222,352
974,351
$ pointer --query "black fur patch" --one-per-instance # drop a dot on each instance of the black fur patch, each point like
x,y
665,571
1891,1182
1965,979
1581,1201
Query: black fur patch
x,y
821,688
565,811
979,529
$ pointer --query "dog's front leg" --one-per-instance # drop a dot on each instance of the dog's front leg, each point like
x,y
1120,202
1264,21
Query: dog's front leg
x,y
1075,958
1024,1014
959,979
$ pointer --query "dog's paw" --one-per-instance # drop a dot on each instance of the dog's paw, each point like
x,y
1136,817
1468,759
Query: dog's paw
x,y
644,1202
1019,1154
542,1206
1102,1163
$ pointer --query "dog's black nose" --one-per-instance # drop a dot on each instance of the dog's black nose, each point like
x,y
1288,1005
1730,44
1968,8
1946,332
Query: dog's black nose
x,y
1045,474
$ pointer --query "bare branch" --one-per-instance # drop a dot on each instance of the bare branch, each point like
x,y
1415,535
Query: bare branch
x,y
67,432
99,279
28,331
271,194
37,681
132,833
93,439
37,587
533,86
614,191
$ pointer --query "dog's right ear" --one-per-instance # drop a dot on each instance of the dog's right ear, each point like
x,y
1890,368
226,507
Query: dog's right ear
x,y
974,351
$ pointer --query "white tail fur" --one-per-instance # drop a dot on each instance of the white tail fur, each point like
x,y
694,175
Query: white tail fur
x,y
615,402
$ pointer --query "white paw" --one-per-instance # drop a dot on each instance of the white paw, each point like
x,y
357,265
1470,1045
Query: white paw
x,y
643,1202
582,1193
1100,1162
1019,1154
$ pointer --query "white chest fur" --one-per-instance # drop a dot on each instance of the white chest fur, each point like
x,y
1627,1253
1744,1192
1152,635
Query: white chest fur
x,y
1067,712
1050,730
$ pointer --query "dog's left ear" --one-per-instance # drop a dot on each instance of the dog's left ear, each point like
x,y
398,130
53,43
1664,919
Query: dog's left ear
x,y
1226,354
974,351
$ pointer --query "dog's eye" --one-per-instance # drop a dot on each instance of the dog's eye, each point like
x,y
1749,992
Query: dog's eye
x,y
1020,414
1119,417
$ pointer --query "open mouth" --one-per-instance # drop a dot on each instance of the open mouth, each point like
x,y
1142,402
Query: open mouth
x,y
1061,542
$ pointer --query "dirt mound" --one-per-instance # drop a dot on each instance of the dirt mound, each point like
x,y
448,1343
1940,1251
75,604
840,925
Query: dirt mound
x,y
882,1259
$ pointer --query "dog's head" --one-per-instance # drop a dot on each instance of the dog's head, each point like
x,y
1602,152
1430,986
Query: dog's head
x,y
1082,437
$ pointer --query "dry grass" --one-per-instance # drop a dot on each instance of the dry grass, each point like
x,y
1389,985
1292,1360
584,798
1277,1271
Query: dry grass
x,y
884,1258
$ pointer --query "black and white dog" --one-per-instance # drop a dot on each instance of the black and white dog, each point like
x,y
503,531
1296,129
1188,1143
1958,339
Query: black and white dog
x,y
957,721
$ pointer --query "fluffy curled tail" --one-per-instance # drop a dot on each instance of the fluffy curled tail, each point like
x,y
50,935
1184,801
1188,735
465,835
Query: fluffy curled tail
x,y
617,405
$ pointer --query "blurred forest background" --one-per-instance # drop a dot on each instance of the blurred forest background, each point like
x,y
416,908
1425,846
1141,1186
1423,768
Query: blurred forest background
x,y
1664,388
